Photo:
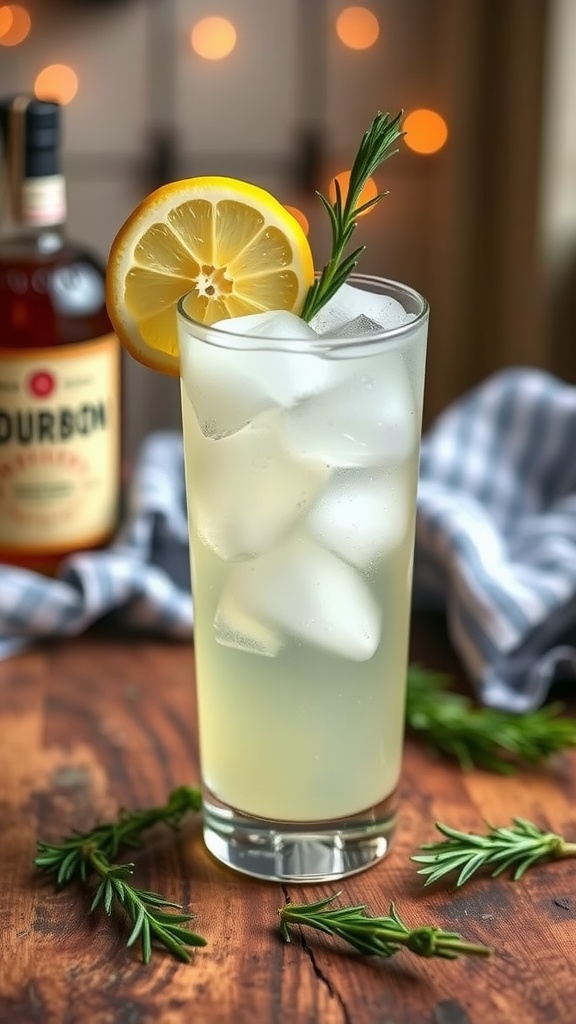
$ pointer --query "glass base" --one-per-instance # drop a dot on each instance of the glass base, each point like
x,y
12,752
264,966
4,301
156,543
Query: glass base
x,y
284,851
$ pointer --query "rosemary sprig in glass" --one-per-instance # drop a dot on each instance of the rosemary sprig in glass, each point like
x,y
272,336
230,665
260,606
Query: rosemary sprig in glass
x,y
374,148
86,854
375,936
478,737
516,848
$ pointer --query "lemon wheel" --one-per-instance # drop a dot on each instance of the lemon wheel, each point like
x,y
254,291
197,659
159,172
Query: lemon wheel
x,y
230,244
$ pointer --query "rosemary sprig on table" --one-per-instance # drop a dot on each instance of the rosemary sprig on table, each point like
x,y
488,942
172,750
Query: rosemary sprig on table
x,y
152,917
375,936
86,854
69,859
374,148
479,737
516,848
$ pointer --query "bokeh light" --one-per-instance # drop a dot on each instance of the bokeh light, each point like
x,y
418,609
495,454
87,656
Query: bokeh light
x,y
6,20
57,82
213,38
426,131
370,190
15,23
357,28
301,217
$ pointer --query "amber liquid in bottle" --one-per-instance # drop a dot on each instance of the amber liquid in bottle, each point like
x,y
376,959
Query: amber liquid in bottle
x,y
59,388
31,318
29,278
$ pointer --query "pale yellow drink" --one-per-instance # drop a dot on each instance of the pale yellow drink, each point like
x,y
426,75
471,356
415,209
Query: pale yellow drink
x,y
305,734
301,467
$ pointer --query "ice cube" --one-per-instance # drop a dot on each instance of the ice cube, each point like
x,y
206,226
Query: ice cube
x,y
234,627
369,419
350,302
360,325
306,592
228,386
223,397
248,491
362,516
275,323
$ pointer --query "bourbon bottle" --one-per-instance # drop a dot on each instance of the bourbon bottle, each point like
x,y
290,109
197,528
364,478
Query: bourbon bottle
x,y
59,360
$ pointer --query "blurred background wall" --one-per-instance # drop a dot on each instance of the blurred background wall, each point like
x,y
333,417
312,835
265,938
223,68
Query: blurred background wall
x,y
481,215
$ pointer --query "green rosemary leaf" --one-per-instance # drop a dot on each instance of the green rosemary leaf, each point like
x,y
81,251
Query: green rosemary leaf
x,y
173,918
98,895
370,203
108,896
146,942
138,924
187,937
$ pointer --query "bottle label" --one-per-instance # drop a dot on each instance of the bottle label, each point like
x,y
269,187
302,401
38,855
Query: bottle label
x,y
59,446
43,201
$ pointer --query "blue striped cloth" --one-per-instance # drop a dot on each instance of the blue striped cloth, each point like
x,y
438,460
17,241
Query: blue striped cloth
x,y
495,544
143,578
496,534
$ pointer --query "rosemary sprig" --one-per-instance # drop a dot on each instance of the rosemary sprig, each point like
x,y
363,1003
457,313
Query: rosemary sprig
x,y
373,150
85,854
152,917
375,936
516,848
70,859
478,737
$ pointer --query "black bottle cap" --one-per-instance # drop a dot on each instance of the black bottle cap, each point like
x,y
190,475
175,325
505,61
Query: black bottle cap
x,y
41,134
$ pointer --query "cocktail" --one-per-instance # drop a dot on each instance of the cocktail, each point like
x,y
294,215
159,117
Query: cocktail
x,y
301,439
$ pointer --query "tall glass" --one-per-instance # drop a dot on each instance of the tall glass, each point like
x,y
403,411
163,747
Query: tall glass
x,y
301,474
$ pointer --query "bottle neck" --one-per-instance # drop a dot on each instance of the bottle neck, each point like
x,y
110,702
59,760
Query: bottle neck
x,y
34,189
35,217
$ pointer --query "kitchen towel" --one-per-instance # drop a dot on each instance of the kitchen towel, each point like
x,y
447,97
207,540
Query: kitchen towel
x,y
143,578
496,534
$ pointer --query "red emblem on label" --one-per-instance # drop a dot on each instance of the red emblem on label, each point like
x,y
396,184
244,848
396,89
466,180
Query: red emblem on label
x,y
41,383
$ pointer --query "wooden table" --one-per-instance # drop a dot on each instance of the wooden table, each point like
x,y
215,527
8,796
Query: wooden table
x,y
91,724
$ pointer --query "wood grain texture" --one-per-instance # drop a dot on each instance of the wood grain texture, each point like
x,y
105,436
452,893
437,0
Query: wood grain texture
x,y
92,724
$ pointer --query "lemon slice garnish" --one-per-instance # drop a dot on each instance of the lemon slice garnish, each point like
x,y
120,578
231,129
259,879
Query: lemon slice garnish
x,y
228,243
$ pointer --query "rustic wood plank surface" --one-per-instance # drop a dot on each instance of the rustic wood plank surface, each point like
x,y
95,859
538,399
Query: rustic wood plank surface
x,y
95,723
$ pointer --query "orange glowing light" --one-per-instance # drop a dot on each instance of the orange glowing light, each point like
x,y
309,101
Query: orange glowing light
x,y
57,82
300,217
357,28
15,24
370,190
426,131
213,38
6,20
